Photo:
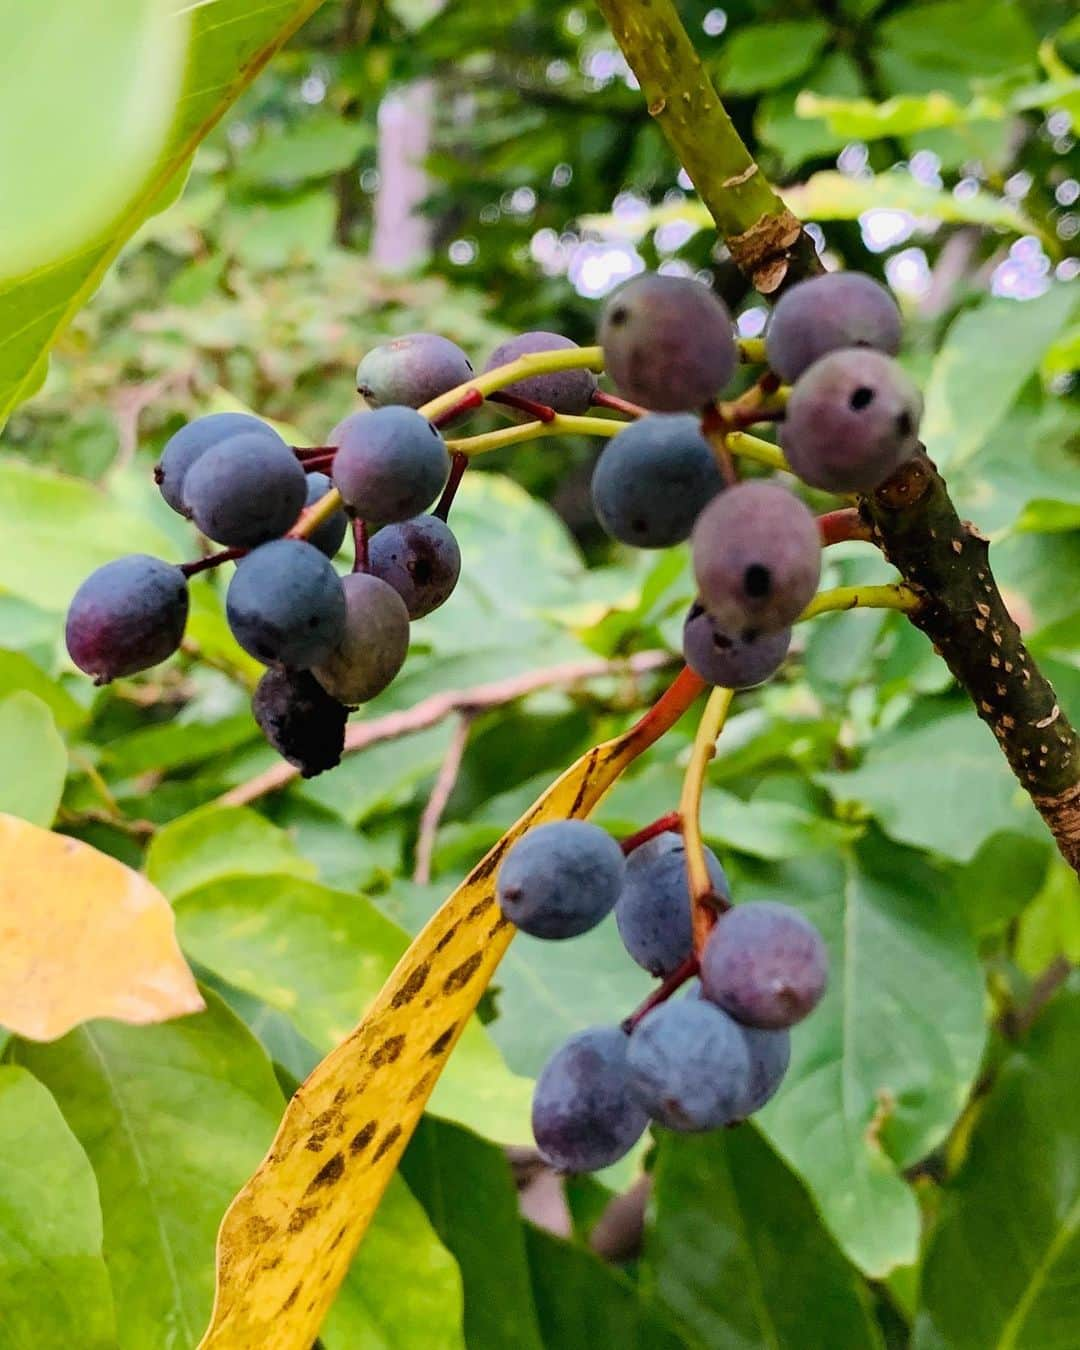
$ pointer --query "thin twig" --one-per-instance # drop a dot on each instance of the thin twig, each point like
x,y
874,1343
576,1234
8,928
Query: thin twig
x,y
431,711
440,796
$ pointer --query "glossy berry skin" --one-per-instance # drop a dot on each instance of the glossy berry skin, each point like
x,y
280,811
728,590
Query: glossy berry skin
x,y
374,645
824,314
246,490
560,879
584,1116
851,421
300,720
653,909
328,536
391,464
567,391
668,342
731,662
765,964
127,616
192,441
770,1055
420,558
757,558
653,479
285,604
410,370
690,1066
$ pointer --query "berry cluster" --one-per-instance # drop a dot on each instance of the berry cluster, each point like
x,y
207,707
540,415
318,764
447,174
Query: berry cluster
x,y
701,1062
331,642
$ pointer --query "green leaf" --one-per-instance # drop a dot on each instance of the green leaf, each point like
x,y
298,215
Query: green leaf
x,y
739,1254
77,146
1000,1271
17,671
989,354
948,45
36,760
58,529
797,136
467,1188
54,1288
230,43
883,1067
762,56
220,841
321,956
381,777
314,148
1050,926
176,745
174,1118
403,1290
831,195
918,784
1001,879
581,1300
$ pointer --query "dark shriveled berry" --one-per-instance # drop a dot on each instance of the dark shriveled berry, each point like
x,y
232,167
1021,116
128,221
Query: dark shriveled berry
x,y
412,369
374,645
731,662
328,536
300,720
757,558
653,909
390,464
192,441
824,314
560,879
851,421
285,604
584,1116
653,479
690,1066
420,558
567,391
765,964
668,342
245,490
127,616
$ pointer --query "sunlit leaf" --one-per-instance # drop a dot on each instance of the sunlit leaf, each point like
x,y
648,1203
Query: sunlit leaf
x,y
32,748
82,936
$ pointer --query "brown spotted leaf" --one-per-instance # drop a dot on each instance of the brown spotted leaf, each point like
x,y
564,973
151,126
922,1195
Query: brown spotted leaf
x,y
288,1237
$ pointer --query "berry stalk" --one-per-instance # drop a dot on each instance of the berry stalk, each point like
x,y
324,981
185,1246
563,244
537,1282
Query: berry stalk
x,y
703,898
536,363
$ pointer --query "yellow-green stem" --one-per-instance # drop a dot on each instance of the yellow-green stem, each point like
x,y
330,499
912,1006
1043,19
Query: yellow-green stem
x,y
712,721
560,425
537,363
896,596
315,514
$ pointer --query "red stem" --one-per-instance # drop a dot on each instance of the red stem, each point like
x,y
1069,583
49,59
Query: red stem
x,y
662,992
601,399
458,464
843,524
319,463
540,411
671,822
360,541
306,452
470,399
190,569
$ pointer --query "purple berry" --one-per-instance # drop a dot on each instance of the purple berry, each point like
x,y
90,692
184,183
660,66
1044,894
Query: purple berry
x,y
824,314
285,604
245,490
731,662
690,1066
653,909
127,616
412,369
373,647
192,441
765,964
390,464
560,879
668,342
420,558
757,558
567,391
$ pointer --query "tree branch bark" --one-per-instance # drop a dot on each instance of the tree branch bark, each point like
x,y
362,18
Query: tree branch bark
x,y
912,516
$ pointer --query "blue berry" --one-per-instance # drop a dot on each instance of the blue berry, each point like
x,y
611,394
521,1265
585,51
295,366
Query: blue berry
x,y
765,964
731,662
127,616
390,464
245,490
191,441
421,559
411,370
690,1066
285,604
653,909
560,879
374,645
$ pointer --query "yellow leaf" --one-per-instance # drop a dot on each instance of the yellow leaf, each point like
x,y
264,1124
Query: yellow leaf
x,y
82,936
288,1237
